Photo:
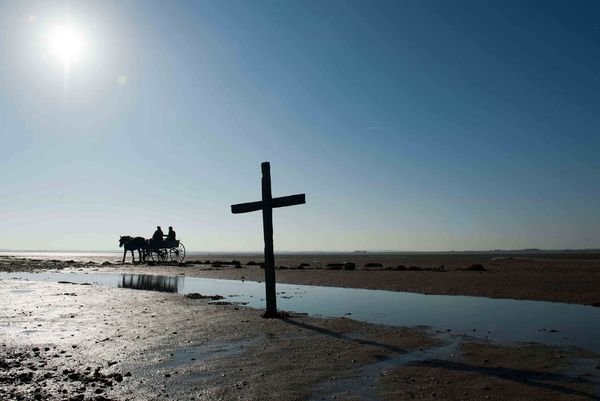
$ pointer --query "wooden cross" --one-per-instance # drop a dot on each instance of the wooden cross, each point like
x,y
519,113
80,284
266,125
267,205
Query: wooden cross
x,y
266,205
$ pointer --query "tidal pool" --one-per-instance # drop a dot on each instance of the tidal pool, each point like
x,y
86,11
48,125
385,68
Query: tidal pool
x,y
502,320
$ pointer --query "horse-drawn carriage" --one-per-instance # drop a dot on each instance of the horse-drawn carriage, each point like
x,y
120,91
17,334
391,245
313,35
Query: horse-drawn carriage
x,y
154,250
165,251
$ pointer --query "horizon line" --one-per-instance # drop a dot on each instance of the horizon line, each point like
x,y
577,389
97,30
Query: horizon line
x,y
522,250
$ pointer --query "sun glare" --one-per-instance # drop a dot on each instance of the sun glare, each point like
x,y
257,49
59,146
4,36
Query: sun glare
x,y
66,43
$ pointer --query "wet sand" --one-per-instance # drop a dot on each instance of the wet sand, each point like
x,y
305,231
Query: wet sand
x,y
570,278
87,342
488,372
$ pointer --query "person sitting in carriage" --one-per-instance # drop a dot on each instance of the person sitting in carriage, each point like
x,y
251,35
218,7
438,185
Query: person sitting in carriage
x,y
158,235
171,234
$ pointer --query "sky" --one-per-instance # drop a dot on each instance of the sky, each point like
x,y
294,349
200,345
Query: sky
x,y
410,125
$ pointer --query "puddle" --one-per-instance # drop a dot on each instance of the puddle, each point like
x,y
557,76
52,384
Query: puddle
x,y
203,352
150,282
501,320
21,291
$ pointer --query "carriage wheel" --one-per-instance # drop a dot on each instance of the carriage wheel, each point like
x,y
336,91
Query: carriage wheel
x,y
177,254
158,255
163,255
171,255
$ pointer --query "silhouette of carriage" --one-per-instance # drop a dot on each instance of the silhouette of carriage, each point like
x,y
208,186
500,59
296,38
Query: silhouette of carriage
x,y
165,251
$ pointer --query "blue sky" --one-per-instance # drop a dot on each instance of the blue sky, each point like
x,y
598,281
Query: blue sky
x,y
410,125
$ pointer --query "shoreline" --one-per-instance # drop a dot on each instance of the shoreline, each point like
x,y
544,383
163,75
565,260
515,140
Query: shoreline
x,y
88,342
571,280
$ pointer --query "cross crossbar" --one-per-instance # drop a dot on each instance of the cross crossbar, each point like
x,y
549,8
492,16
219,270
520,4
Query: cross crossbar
x,y
282,201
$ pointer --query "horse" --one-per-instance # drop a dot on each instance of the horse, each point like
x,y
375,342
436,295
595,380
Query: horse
x,y
133,244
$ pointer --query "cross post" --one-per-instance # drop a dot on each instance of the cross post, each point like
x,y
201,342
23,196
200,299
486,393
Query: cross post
x,y
266,205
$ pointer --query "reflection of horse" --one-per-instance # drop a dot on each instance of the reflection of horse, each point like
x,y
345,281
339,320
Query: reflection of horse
x,y
132,244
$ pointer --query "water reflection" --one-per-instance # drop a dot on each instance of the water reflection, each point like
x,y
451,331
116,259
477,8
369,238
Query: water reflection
x,y
504,320
151,282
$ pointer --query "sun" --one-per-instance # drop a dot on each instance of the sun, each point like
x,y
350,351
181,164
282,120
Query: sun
x,y
66,43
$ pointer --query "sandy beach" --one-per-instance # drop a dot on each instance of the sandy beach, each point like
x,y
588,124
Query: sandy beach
x,y
566,277
570,278
80,342
76,342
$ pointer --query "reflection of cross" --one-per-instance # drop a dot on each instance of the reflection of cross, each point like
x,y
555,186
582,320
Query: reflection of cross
x,y
266,205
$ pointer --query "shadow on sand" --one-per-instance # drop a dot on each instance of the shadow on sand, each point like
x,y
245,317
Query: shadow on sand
x,y
527,377
326,332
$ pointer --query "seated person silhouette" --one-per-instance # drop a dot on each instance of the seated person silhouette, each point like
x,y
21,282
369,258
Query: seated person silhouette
x,y
158,235
171,234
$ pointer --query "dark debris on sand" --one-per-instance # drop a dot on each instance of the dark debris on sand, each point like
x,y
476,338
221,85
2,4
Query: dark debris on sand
x,y
195,295
39,373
